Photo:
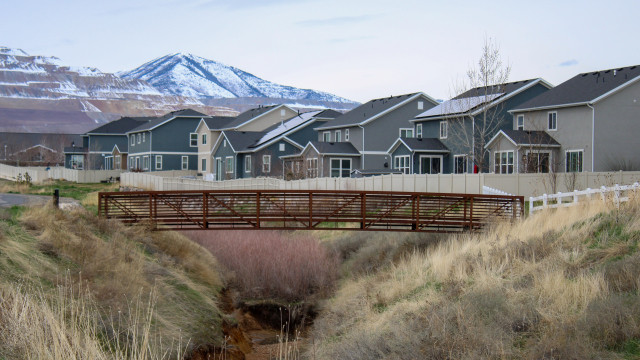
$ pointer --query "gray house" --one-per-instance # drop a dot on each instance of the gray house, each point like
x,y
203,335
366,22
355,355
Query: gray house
x,y
594,117
326,159
420,156
467,122
165,143
373,127
523,151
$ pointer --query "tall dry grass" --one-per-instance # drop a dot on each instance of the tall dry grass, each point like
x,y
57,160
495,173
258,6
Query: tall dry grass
x,y
273,264
556,285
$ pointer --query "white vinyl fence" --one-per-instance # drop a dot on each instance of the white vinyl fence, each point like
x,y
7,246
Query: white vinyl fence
x,y
616,193
40,174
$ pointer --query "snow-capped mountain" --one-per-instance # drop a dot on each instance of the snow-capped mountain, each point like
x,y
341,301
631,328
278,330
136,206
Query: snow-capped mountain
x,y
194,76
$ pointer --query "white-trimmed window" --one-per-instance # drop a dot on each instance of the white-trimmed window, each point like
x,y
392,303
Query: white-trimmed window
x,y
520,122
283,112
224,143
312,168
229,161
266,164
145,162
204,164
419,131
346,134
459,164
158,162
133,139
536,161
118,162
402,163
503,162
338,136
185,163
552,123
144,137
139,138
204,139
340,167
574,160
444,129
406,132
326,136
138,163
430,164
247,163
420,105
281,147
193,139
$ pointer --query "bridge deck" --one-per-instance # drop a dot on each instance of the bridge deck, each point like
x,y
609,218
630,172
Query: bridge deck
x,y
309,209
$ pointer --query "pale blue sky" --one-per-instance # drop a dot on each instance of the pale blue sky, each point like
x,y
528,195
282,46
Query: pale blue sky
x,y
356,49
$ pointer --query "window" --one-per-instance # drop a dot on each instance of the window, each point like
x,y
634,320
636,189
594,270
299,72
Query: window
x,y
402,163
338,136
185,163
406,133
204,164
444,129
204,139
224,143
574,160
137,162
520,122
281,148
229,161
553,121
430,164
283,112
459,164
77,162
346,134
144,137
133,139
145,162
503,162
420,105
139,138
419,131
536,162
312,168
247,163
193,139
266,164
158,162
326,136
340,167
118,162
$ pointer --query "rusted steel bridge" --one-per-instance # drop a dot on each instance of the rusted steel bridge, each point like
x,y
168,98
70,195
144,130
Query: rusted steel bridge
x,y
309,209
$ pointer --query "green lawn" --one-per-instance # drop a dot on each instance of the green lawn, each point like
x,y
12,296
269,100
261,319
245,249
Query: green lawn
x,y
67,189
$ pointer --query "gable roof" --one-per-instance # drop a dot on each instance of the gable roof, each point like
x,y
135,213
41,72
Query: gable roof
x,y
328,114
525,138
420,145
241,140
287,127
333,148
218,122
155,122
251,115
475,100
583,89
373,109
120,126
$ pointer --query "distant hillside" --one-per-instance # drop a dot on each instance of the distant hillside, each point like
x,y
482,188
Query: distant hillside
x,y
194,76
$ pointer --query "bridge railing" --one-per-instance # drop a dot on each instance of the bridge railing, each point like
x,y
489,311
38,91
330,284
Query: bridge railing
x,y
304,209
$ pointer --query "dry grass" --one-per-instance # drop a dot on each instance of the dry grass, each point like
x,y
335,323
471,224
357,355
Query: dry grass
x,y
272,264
117,265
561,284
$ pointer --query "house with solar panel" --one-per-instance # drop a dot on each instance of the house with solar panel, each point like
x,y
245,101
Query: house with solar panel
x,y
247,154
164,143
589,123
208,130
103,148
371,129
463,125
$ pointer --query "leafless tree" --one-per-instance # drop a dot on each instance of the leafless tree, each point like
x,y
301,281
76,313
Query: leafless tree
x,y
482,84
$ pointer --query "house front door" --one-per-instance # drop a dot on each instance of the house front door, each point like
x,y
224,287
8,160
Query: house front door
x,y
218,169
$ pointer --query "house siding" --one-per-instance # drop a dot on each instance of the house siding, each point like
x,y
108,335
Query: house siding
x,y
223,152
270,118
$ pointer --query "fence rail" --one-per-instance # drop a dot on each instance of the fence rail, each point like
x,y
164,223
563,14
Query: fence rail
x,y
616,193
302,209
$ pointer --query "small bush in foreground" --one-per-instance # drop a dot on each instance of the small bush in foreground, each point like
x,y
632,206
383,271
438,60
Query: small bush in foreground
x,y
272,264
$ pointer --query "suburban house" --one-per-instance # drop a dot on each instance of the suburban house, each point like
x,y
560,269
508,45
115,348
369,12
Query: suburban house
x,y
99,145
594,118
325,159
34,149
246,154
420,156
258,119
523,151
467,122
165,143
373,127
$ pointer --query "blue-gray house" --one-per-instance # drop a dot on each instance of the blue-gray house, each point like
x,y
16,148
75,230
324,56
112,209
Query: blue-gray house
x,y
420,156
165,143
466,123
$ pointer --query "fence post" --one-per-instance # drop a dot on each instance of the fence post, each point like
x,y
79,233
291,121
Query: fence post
x,y
575,196
530,205
589,194
603,189
544,201
616,195
56,198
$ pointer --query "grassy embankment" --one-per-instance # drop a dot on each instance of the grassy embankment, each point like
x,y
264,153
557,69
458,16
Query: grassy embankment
x,y
559,285
76,286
